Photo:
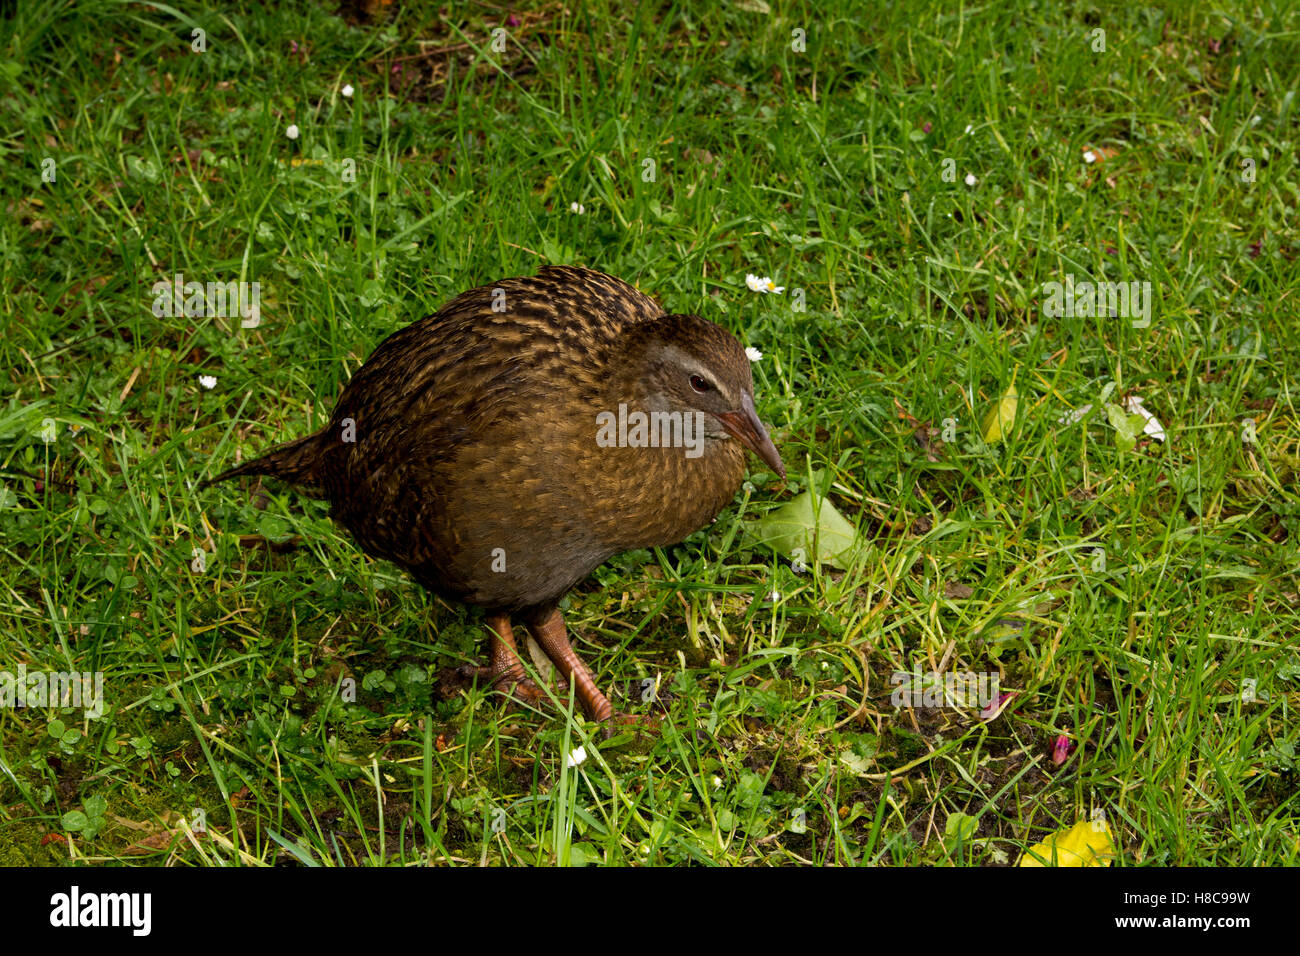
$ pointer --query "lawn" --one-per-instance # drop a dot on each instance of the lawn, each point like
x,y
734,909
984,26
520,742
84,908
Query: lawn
x,y
934,188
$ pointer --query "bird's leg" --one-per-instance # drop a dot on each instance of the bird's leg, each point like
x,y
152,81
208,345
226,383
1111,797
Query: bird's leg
x,y
548,631
506,672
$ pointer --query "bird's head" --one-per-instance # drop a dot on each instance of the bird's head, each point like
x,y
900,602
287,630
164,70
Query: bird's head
x,y
687,364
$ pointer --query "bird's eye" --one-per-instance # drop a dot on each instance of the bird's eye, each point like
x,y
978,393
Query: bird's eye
x,y
700,384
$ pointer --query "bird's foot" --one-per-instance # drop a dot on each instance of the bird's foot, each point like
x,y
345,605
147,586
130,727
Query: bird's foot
x,y
549,632
512,683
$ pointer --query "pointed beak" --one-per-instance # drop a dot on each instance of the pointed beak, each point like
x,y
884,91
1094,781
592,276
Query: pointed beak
x,y
749,431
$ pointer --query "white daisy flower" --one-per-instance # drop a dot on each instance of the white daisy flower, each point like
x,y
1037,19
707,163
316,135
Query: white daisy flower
x,y
753,354
292,131
1089,156
347,89
208,381
764,285
970,179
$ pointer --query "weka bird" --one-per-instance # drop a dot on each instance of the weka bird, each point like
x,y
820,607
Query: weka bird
x,y
476,448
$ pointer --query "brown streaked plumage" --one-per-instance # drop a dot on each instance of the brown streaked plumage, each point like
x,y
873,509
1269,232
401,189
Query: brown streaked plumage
x,y
466,448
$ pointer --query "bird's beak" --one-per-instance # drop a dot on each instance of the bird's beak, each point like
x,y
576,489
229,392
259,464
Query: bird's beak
x,y
749,431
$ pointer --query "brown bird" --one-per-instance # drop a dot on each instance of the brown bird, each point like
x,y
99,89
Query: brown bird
x,y
504,447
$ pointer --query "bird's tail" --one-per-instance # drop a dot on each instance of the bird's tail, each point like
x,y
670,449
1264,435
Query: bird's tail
x,y
297,462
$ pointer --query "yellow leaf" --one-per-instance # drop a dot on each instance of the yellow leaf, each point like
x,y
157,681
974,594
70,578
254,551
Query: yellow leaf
x,y
1087,843
1000,418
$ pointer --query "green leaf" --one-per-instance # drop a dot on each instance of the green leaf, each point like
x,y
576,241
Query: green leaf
x,y
372,294
582,854
855,761
274,528
294,850
749,792
1127,427
75,821
813,527
959,828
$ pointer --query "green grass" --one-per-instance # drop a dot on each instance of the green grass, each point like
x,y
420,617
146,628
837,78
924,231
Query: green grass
x,y
825,169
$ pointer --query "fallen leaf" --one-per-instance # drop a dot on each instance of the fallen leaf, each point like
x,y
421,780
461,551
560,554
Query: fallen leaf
x,y
812,527
1150,424
1087,843
1001,418
152,843
1074,415
1098,154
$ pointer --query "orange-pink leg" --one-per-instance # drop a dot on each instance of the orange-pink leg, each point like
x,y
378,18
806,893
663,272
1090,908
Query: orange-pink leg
x,y
506,672
549,632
